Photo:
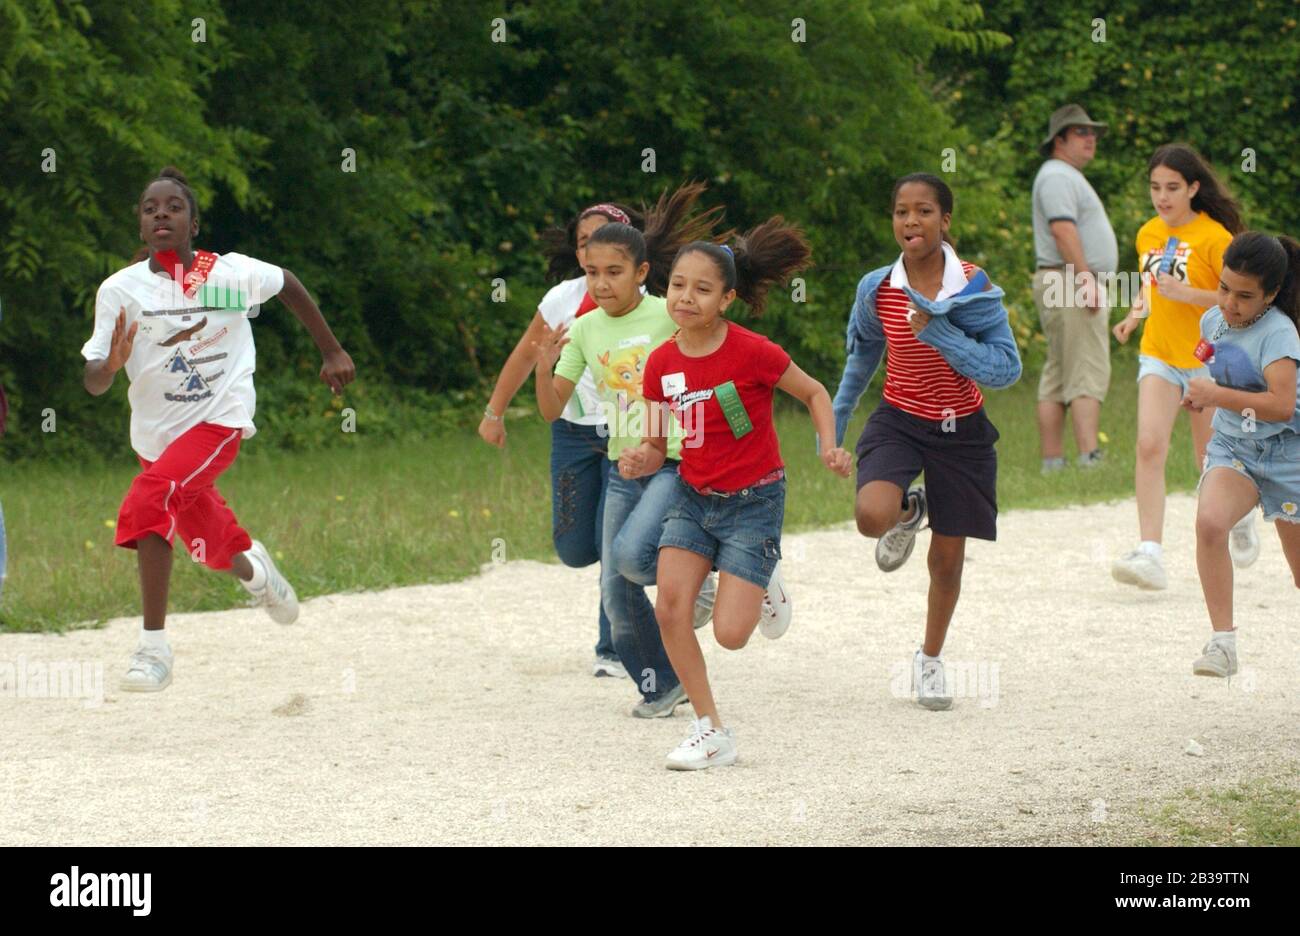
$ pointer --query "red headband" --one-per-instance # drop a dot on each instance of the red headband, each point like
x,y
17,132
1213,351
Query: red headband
x,y
613,211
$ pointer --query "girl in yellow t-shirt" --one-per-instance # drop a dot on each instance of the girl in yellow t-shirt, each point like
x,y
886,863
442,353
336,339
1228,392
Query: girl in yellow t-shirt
x,y
1180,256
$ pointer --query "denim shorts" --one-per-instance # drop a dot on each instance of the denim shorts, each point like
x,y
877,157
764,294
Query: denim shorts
x,y
740,532
1180,377
1272,463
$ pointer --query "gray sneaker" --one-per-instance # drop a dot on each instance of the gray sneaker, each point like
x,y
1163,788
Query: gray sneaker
x,y
608,666
1092,459
930,684
664,706
150,670
894,548
1218,658
1052,465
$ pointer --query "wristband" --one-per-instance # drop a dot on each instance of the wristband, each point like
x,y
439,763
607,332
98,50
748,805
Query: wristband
x,y
488,414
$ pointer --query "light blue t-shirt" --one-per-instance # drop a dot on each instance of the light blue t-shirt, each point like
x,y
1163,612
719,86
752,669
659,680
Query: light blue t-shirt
x,y
1240,356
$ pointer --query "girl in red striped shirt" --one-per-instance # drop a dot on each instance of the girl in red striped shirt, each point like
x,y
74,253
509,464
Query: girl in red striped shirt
x,y
945,329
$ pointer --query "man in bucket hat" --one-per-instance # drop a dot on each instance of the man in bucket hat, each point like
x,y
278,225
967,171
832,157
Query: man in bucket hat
x,y
1075,247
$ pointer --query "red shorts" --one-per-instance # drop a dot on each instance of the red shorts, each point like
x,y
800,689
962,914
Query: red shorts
x,y
175,494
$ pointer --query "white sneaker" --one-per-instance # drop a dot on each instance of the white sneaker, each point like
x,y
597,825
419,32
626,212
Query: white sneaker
x,y
277,595
705,746
930,684
607,666
150,670
894,548
1243,542
1218,658
774,616
704,601
1141,569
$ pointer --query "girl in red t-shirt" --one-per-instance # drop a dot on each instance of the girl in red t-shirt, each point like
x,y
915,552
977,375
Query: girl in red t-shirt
x,y
717,379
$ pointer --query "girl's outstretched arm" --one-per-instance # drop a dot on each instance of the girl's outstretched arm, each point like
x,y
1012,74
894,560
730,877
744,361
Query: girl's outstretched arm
x,y
813,395
513,374
337,368
866,345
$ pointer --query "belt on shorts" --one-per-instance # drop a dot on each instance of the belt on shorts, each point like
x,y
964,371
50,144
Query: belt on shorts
x,y
772,478
1058,267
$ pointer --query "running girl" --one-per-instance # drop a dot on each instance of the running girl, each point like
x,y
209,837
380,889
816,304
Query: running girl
x,y
945,329
177,321
717,377
579,464
614,344
1251,345
1180,254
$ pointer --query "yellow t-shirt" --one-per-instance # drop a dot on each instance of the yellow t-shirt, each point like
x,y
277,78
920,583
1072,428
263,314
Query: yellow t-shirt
x,y
1173,328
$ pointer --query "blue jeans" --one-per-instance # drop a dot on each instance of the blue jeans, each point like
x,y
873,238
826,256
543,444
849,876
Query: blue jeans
x,y
579,470
634,518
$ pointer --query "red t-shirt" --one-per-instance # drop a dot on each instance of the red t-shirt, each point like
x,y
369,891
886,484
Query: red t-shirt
x,y
917,378
711,455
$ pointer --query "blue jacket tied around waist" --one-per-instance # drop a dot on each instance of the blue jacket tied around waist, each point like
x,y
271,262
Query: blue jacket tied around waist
x,y
970,330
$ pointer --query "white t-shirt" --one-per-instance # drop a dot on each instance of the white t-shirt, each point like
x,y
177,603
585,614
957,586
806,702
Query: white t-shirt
x,y
559,307
193,359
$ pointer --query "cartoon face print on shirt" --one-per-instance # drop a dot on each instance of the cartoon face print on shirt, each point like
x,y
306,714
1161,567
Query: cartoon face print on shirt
x,y
1232,367
623,371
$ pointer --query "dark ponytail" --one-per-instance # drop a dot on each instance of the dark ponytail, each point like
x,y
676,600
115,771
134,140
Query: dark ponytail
x,y
560,244
171,174
755,261
1274,261
942,193
1212,197
669,226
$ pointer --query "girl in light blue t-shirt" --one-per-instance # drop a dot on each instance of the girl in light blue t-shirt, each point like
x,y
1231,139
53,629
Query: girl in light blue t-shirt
x,y
1250,343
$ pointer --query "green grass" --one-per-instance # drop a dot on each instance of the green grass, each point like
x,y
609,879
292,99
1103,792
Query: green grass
x,y
433,510
1261,812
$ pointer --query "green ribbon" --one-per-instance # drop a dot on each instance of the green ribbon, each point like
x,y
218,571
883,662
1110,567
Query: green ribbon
x,y
733,409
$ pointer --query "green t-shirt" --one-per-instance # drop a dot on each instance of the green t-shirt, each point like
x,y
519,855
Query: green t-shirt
x,y
616,349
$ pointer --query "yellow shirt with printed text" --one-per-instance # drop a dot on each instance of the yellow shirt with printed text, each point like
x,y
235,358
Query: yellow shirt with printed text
x,y
1173,328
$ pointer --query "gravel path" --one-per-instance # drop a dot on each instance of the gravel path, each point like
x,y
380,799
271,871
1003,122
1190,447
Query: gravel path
x,y
463,713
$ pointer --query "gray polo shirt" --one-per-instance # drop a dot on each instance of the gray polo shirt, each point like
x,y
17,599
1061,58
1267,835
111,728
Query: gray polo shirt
x,y
1062,193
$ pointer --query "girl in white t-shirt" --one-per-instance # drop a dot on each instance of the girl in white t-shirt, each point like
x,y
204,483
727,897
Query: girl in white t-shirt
x,y
578,438
177,320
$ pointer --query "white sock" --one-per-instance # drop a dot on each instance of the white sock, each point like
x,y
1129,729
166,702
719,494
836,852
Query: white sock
x,y
1152,549
154,639
1227,637
258,581
930,659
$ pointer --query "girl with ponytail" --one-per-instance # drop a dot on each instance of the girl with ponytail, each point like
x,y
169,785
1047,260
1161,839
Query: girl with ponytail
x,y
626,270
1180,256
1251,346
714,380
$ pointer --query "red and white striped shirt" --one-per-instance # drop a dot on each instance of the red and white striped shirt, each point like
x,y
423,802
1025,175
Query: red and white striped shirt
x,y
917,378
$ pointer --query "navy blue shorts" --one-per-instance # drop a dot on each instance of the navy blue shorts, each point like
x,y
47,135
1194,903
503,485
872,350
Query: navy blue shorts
x,y
957,457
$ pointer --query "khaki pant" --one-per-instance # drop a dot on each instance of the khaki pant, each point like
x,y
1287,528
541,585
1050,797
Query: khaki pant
x,y
1078,344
